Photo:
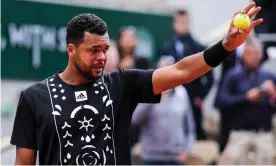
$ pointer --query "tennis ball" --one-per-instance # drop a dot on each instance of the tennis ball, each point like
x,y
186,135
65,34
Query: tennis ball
x,y
241,21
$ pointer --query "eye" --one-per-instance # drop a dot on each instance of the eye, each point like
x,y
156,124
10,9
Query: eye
x,y
105,50
95,51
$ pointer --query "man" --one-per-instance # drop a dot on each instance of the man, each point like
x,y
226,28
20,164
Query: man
x,y
248,99
174,116
182,45
231,61
82,116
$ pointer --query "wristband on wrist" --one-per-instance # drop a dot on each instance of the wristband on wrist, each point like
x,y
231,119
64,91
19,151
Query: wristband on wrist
x,y
215,54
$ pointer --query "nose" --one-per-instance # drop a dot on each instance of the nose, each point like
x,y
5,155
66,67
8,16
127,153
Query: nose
x,y
101,56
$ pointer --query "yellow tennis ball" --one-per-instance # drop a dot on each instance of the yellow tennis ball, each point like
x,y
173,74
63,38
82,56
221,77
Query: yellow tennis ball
x,y
241,21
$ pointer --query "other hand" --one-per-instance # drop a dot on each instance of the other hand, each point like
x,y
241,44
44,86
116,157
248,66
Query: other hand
x,y
254,95
181,158
269,88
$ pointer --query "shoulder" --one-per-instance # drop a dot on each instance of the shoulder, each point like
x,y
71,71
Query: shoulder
x,y
267,73
119,75
126,72
36,88
40,88
116,75
129,75
32,93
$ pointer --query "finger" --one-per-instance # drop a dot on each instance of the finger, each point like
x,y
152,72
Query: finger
x,y
254,12
243,11
251,5
255,23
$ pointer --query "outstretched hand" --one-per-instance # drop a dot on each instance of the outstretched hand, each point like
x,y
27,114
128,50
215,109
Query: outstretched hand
x,y
235,37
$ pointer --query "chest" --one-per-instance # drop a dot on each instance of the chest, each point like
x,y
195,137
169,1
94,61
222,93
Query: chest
x,y
68,104
249,81
81,120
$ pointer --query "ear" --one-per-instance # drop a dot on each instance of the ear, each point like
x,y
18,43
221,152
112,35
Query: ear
x,y
71,50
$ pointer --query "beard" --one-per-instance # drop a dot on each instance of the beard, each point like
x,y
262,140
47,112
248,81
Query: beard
x,y
87,74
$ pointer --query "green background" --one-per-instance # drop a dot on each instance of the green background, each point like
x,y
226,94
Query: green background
x,y
17,62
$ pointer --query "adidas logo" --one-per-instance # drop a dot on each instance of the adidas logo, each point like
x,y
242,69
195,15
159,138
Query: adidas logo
x,y
81,96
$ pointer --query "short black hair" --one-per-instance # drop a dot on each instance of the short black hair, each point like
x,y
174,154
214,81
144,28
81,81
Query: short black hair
x,y
181,12
85,22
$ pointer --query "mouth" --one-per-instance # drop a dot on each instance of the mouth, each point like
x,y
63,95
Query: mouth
x,y
97,68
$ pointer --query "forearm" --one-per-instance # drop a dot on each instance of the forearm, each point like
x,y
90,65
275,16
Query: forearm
x,y
184,71
25,156
24,162
193,66
227,100
189,68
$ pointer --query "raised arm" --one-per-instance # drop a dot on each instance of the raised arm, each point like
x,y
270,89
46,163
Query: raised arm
x,y
192,67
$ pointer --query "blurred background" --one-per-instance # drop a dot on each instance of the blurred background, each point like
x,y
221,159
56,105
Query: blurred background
x,y
33,46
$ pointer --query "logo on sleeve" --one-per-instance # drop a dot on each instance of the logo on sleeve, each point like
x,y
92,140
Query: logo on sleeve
x,y
81,96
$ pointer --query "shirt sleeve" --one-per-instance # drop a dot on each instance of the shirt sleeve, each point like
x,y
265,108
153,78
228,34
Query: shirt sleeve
x,y
139,85
24,129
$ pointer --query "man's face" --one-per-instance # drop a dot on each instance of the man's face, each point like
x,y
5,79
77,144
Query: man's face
x,y
181,24
89,57
252,57
128,40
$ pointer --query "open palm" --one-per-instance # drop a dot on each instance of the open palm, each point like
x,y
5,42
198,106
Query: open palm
x,y
235,37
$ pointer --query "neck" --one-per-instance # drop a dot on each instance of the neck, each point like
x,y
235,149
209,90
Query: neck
x,y
72,76
251,70
184,36
127,55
